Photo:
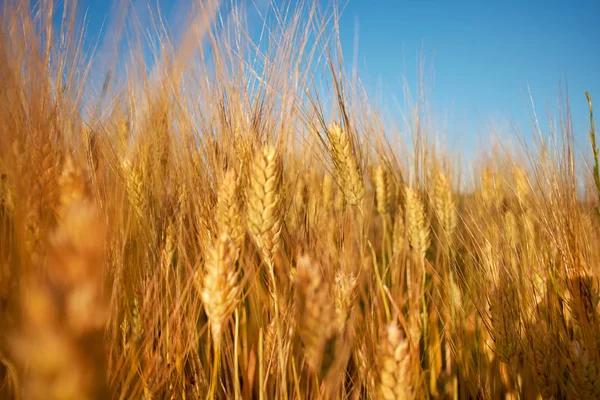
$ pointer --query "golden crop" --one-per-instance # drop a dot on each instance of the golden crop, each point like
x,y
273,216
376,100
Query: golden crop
x,y
217,224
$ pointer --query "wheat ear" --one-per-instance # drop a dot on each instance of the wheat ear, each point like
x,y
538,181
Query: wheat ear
x,y
264,203
383,191
316,309
394,364
265,223
230,218
346,165
444,207
220,285
417,225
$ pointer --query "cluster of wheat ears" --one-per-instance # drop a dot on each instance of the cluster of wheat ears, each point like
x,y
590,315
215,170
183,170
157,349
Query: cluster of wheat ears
x,y
229,217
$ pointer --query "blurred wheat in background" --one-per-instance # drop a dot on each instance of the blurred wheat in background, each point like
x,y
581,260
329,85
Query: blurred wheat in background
x,y
232,220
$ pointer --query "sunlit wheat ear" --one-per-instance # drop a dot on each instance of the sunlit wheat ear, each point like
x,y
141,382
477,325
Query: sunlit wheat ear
x,y
399,231
264,202
220,290
383,191
168,250
316,313
344,159
444,206
416,223
137,325
346,292
136,191
394,364
230,218
270,344
365,361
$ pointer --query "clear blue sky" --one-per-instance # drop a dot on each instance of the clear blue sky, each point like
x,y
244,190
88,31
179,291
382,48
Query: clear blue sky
x,y
482,55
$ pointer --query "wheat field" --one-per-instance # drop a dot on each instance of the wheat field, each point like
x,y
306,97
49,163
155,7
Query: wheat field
x,y
233,218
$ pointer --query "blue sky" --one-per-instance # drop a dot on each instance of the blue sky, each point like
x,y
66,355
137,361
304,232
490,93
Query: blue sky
x,y
480,56
483,55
